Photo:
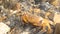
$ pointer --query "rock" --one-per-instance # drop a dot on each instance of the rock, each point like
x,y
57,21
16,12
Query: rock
x,y
45,6
4,28
56,18
54,2
57,29
25,33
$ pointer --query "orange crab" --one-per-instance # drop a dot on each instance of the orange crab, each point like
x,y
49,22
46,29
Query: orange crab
x,y
36,21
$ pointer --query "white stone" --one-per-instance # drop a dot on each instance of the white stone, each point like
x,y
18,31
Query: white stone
x,y
25,32
4,28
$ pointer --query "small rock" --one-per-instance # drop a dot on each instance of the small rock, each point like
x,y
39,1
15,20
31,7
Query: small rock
x,y
25,32
4,28
56,18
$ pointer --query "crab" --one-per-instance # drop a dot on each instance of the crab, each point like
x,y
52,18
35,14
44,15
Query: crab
x,y
37,21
